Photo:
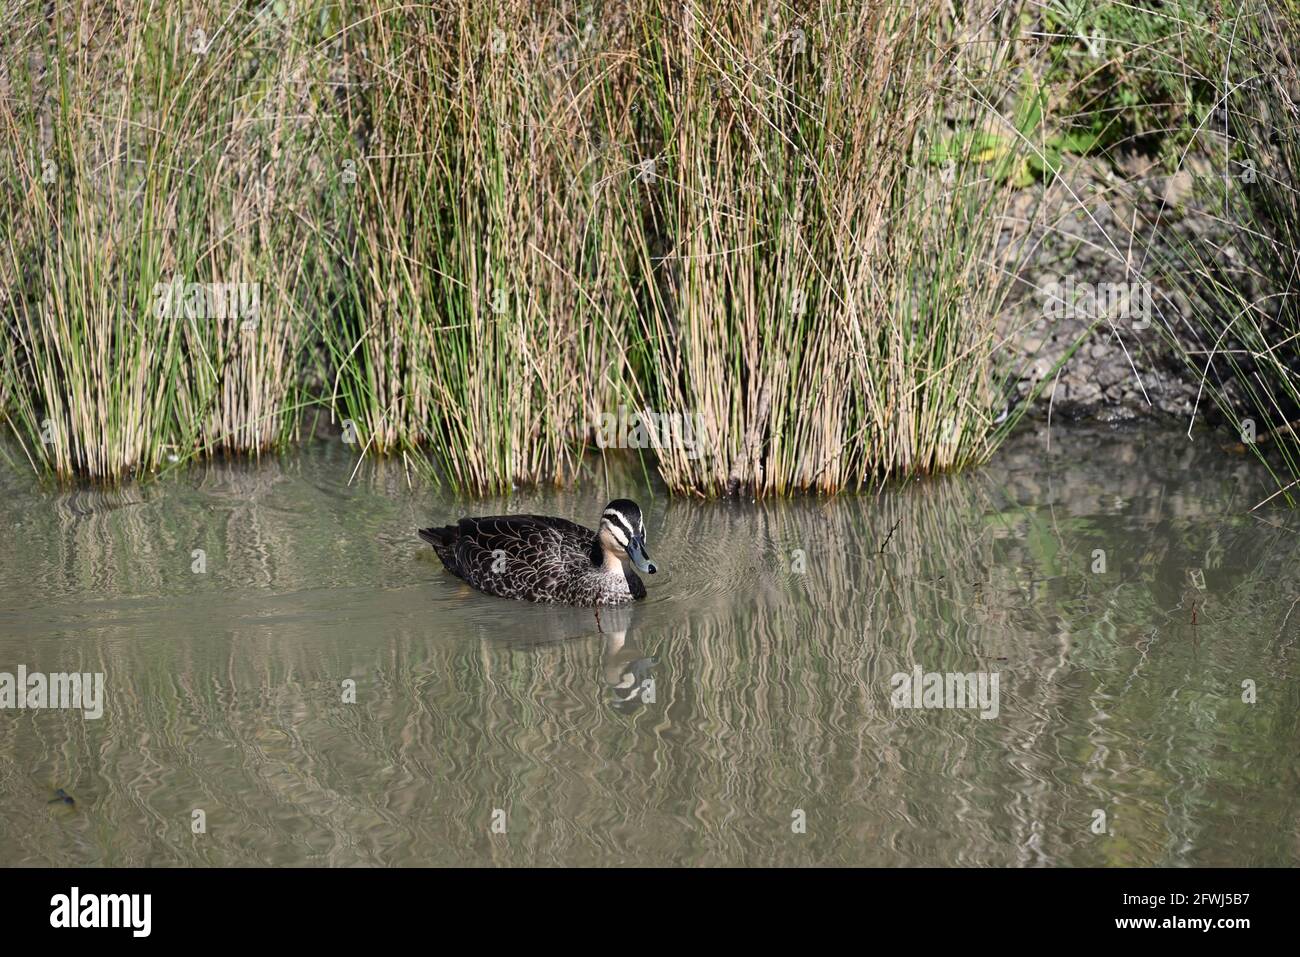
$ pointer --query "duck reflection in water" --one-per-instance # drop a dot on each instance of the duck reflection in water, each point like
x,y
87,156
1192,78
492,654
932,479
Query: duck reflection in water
x,y
627,670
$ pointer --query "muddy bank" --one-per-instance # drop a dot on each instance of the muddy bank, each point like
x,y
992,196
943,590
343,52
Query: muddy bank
x,y
1096,282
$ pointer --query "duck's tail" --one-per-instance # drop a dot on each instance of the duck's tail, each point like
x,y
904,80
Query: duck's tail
x,y
437,537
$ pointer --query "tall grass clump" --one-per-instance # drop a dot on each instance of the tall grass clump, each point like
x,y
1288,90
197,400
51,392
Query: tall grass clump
x,y
480,307
152,257
813,281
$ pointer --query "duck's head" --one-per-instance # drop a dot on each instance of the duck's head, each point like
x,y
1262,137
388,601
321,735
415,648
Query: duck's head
x,y
622,533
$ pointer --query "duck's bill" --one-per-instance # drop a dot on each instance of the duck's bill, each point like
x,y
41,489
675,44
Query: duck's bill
x,y
636,553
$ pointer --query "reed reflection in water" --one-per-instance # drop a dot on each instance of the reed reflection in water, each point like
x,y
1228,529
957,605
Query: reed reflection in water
x,y
754,683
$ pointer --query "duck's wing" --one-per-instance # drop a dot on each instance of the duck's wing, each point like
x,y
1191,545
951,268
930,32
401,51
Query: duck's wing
x,y
526,534
512,554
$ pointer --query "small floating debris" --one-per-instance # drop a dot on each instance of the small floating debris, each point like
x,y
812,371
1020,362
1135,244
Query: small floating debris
x,y
885,543
62,797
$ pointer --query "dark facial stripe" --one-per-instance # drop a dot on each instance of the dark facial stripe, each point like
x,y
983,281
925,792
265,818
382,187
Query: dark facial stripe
x,y
615,517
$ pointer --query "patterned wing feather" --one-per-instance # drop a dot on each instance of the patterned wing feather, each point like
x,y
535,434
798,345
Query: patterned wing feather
x,y
520,556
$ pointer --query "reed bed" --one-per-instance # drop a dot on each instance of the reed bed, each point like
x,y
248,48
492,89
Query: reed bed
x,y
154,266
477,230
815,286
480,307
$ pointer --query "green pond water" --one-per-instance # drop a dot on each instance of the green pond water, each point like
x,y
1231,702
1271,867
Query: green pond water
x,y
743,714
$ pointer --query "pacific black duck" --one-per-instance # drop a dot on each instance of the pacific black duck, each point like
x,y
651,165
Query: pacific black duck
x,y
544,559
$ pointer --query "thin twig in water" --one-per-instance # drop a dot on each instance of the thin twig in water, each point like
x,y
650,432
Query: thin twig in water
x,y
889,536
